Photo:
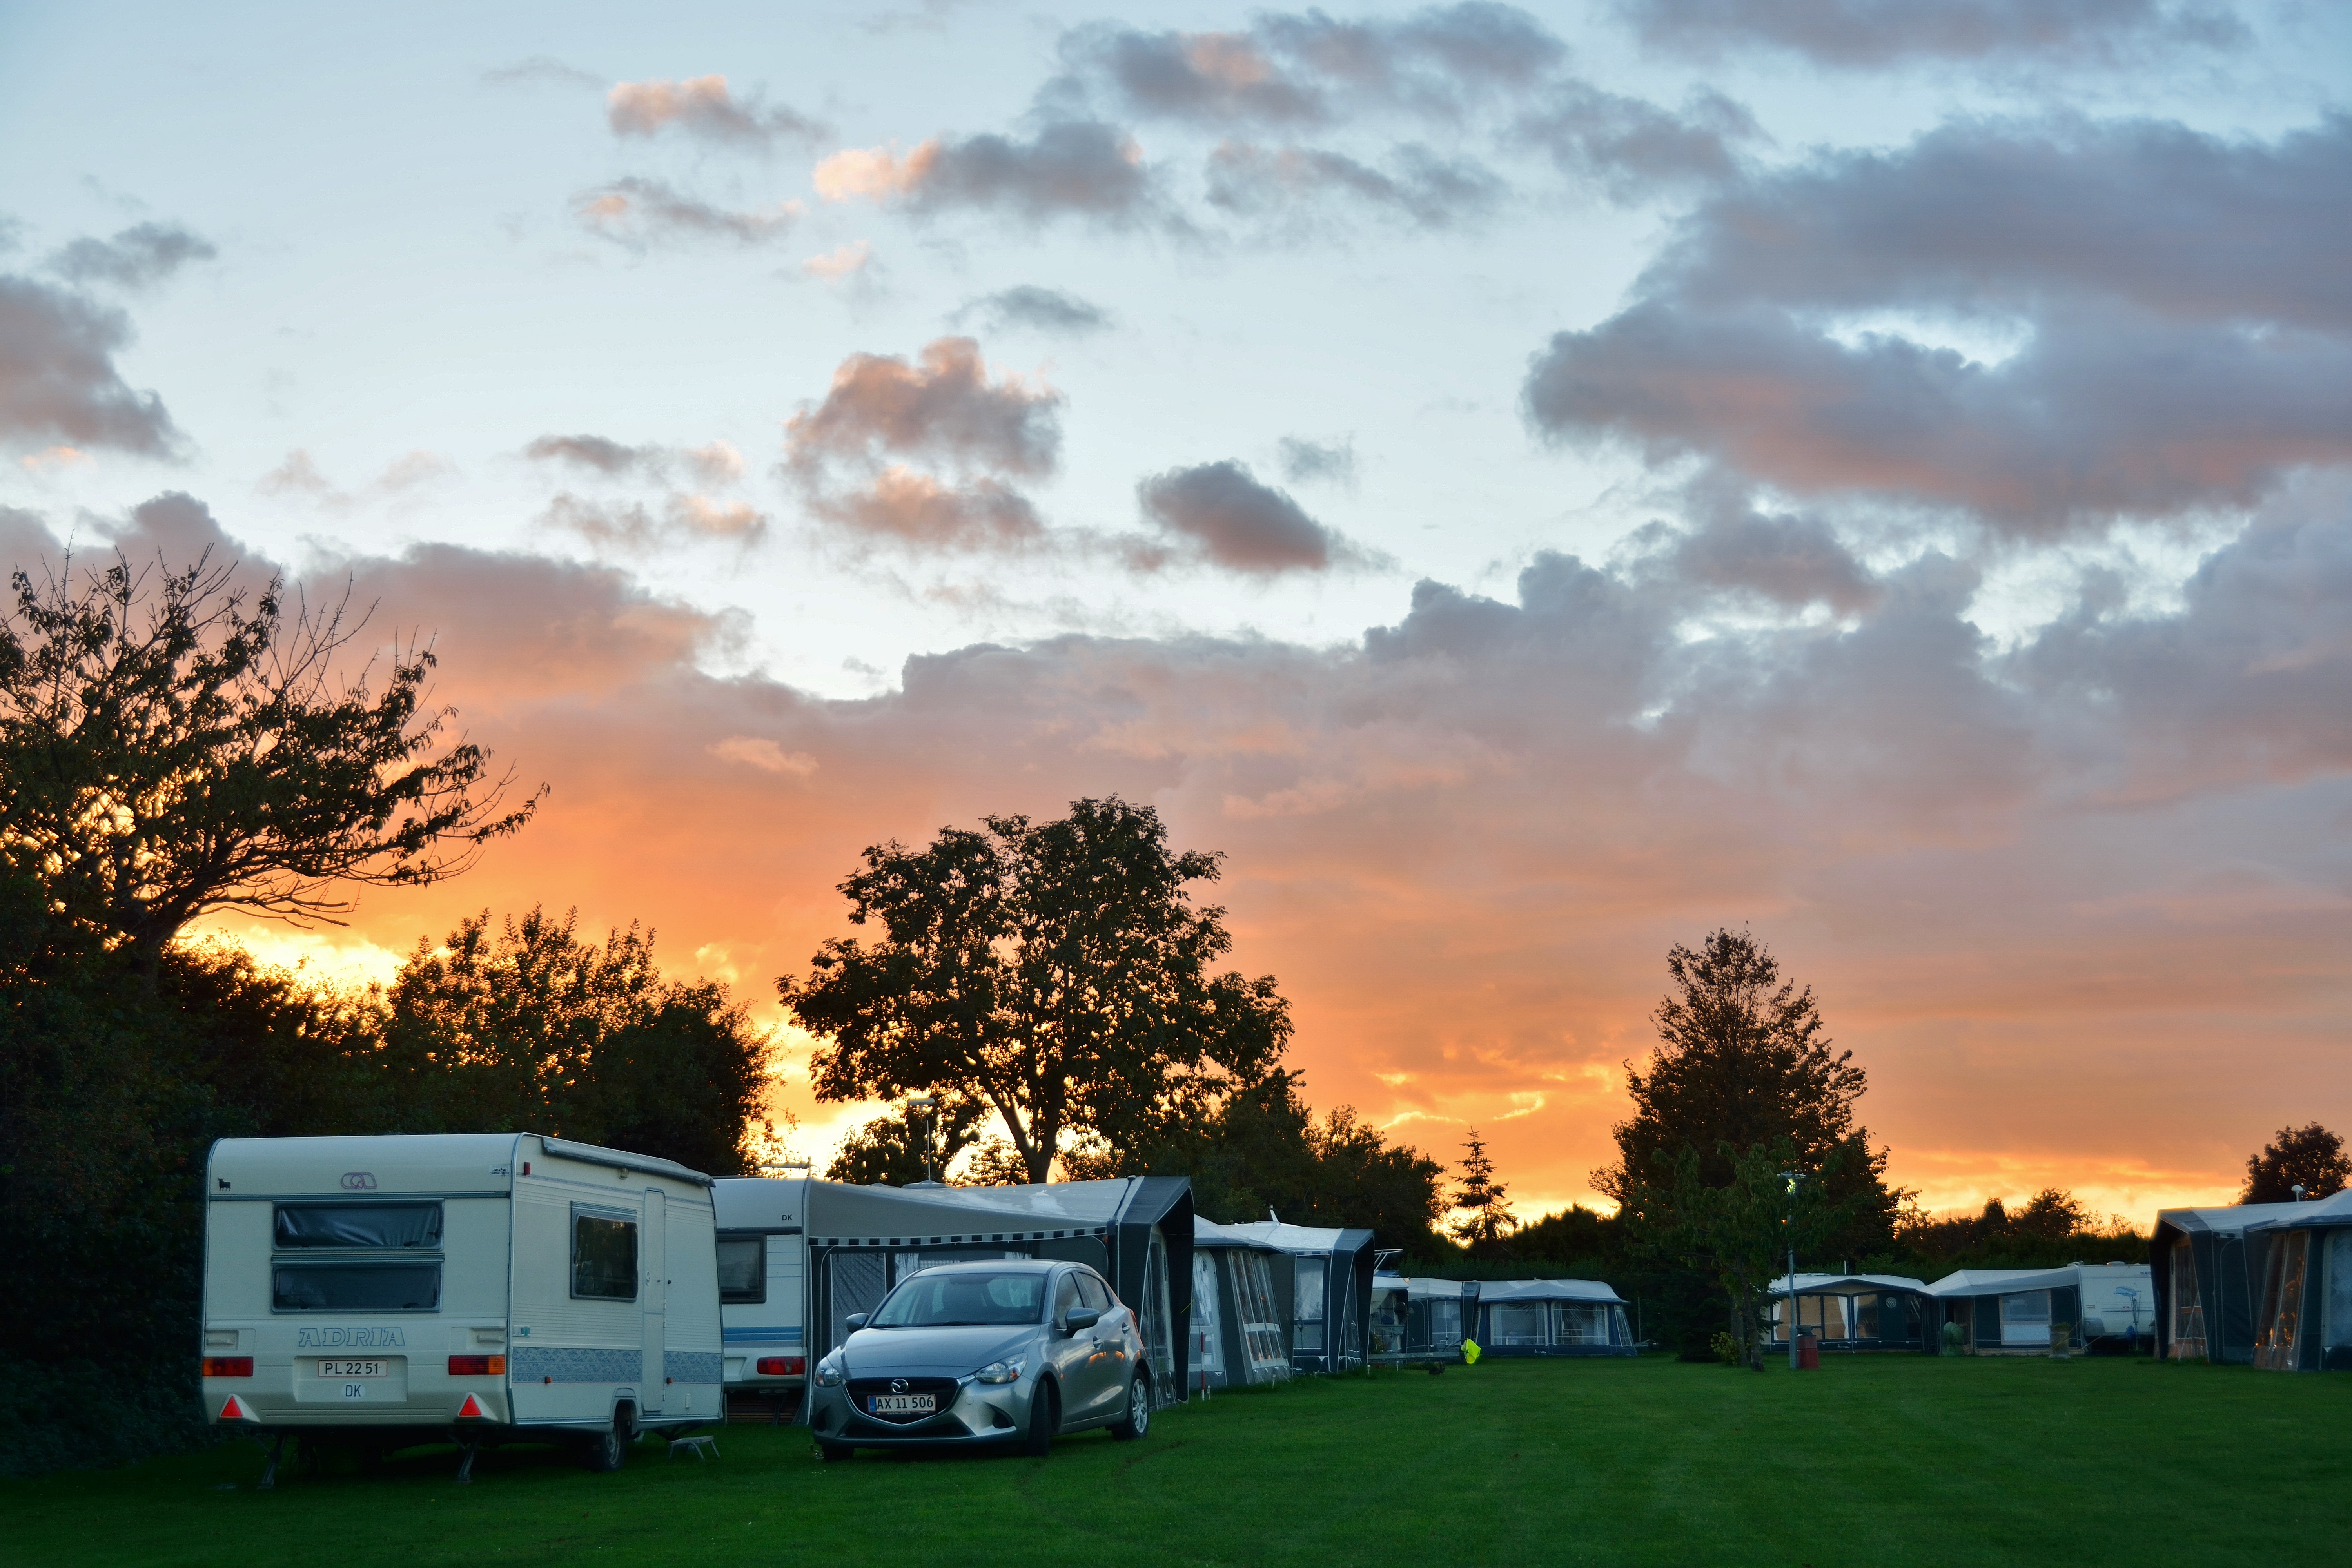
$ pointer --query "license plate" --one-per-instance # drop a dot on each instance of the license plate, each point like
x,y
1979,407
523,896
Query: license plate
x,y
903,1404
355,1369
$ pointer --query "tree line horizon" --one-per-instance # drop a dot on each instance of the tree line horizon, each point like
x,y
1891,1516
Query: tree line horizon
x,y
174,746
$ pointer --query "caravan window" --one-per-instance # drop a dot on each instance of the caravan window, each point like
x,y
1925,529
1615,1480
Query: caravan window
x,y
1517,1324
1580,1323
603,1255
742,1270
1307,1298
355,1287
393,1227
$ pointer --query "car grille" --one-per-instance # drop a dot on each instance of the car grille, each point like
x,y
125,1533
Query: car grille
x,y
861,1389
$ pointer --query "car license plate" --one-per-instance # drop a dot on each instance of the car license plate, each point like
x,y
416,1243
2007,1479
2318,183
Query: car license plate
x,y
903,1404
355,1369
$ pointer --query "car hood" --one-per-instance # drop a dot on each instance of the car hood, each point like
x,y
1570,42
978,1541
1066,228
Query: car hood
x,y
931,1352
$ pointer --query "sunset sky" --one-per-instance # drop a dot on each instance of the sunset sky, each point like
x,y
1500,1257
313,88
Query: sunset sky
x,y
1530,486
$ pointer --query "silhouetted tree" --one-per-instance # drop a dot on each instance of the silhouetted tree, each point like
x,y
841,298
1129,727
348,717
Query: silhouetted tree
x,y
1263,1148
532,1030
2310,1154
891,1149
170,751
1055,971
1479,1199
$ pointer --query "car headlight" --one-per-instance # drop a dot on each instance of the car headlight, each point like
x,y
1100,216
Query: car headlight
x,y
828,1373
1007,1371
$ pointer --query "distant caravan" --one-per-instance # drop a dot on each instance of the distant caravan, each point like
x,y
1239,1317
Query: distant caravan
x,y
472,1287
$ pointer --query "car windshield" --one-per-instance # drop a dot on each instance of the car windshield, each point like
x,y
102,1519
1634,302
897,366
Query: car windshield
x,y
943,1299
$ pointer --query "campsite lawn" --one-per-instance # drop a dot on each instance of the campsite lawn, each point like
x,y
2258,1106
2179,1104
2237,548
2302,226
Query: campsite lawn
x,y
1902,1460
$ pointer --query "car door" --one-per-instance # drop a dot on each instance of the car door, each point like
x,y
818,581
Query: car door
x,y
1114,1343
1072,1355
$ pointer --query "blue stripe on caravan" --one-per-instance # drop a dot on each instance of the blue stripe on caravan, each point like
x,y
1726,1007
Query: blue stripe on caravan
x,y
775,1336
545,1364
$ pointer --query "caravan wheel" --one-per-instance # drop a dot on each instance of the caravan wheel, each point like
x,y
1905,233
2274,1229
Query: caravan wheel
x,y
607,1451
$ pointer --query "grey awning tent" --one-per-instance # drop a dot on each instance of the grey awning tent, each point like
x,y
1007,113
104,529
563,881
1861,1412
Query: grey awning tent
x,y
1850,1313
1325,1288
1136,1231
2207,1266
2013,1310
1418,1314
2303,1313
1551,1318
1240,1326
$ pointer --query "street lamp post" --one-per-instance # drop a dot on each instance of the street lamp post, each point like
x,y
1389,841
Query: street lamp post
x,y
926,1106
1792,1178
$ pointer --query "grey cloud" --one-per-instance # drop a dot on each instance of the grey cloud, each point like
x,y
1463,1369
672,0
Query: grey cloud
x,y
600,453
1332,462
1305,68
941,408
637,212
57,376
12,233
1077,167
1856,33
541,68
1790,561
1984,216
137,258
922,453
633,526
1631,148
2104,414
1038,309
705,108
1233,521
1284,184
2154,379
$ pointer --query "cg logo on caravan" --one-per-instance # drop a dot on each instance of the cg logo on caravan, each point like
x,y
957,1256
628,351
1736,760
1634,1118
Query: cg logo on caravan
x,y
359,1180
348,1339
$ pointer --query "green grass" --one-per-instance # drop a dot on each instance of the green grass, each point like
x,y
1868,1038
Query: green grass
x,y
1902,1460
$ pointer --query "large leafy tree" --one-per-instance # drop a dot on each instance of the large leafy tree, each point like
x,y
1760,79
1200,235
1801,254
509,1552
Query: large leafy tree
x,y
2311,1155
1741,1060
1263,1151
1743,1063
171,747
530,1027
1055,971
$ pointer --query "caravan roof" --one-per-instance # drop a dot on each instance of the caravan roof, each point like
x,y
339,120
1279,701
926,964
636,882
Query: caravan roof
x,y
1281,1237
1419,1287
1208,1233
2231,1219
841,1214
1820,1283
2323,1213
447,1164
1493,1291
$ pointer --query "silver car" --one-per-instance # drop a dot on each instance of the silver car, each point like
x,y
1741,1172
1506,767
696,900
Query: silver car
x,y
998,1354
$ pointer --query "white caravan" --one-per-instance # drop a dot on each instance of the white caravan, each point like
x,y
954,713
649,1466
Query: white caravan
x,y
471,1288
762,1291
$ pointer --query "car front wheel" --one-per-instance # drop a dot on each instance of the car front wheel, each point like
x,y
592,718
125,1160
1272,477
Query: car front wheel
x,y
1044,1420
1138,1419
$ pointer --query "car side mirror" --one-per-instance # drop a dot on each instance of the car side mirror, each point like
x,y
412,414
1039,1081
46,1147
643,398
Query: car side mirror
x,y
855,1321
1078,1318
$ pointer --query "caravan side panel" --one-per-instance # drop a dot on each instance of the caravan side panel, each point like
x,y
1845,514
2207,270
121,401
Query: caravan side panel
x,y
576,1356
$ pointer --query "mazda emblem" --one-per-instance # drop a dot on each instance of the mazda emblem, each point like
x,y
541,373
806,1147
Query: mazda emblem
x,y
897,1386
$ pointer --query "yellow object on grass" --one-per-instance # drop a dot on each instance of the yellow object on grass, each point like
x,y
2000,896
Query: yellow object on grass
x,y
1470,1352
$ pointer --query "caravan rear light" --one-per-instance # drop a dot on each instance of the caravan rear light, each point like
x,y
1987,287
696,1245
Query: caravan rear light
x,y
781,1366
228,1366
477,1366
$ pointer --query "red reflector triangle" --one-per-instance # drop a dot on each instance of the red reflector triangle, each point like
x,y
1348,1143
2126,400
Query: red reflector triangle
x,y
231,1410
469,1411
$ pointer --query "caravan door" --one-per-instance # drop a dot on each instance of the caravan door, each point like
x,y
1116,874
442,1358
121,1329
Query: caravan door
x,y
653,1348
